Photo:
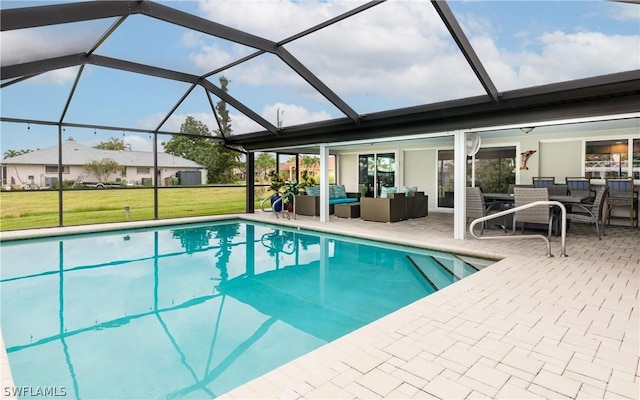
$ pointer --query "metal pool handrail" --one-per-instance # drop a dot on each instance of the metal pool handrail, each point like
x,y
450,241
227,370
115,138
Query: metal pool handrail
x,y
280,200
563,234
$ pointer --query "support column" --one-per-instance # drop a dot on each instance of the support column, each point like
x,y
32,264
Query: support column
x,y
459,185
324,183
250,182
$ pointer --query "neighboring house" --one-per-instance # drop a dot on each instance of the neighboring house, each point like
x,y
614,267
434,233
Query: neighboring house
x,y
40,168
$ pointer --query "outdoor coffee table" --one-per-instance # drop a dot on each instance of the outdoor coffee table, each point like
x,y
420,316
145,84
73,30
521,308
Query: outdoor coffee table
x,y
347,210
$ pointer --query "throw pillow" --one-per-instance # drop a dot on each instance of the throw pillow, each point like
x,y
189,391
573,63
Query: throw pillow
x,y
386,190
340,192
408,189
312,190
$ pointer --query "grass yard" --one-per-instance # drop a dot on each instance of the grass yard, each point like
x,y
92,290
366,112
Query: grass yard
x,y
39,209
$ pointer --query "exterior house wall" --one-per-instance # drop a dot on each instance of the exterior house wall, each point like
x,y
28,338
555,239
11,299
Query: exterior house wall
x,y
18,174
348,172
561,159
558,154
420,169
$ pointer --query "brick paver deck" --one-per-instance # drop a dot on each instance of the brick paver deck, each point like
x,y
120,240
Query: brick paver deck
x,y
527,327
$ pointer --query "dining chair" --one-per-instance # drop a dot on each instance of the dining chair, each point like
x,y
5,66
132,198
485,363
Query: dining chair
x,y
535,215
539,182
478,208
591,212
558,189
579,186
622,195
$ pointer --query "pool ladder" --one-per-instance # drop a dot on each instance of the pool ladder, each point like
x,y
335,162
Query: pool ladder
x,y
563,234
284,212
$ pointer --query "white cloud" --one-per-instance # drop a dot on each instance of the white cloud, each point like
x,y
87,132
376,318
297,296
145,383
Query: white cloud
x,y
139,143
400,51
624,11
58,77
28,45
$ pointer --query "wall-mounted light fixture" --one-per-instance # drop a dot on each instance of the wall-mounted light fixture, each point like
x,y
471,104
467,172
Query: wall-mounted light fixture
x,y
527,129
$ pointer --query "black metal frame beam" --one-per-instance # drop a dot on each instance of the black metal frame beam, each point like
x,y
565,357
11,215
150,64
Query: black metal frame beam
x,y
75,12
458,35
33,17
605,95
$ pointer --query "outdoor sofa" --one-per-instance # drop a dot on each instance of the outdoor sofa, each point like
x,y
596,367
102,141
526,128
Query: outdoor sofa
x,y
309,204
394,207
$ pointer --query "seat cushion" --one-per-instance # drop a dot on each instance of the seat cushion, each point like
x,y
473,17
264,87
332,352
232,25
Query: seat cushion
x,y
343,200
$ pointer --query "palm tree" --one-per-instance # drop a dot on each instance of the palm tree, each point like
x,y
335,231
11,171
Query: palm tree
x,y
15,153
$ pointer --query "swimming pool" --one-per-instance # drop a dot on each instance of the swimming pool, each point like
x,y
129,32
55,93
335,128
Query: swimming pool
x,y
194,311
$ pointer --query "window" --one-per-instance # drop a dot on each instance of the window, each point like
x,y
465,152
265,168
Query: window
x,y
494,171
636,159
53,169
143,170
445,178
607,159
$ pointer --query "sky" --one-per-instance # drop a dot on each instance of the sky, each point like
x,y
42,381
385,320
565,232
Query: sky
x,y
396,54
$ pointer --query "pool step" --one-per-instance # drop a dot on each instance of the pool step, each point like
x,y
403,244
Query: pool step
x,y
440,272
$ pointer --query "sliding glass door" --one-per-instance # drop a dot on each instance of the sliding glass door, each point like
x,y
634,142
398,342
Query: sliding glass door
x,y
374,172
494,171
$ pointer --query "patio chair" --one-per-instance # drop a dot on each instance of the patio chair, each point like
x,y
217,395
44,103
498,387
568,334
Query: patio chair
x,y
622,195
539,182
591,213
417,204
542,215
579,186
513,186
390,209
558,189
477,208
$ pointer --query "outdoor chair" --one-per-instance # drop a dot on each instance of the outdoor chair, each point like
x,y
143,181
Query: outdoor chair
x,y
417,204
591,213
579,186
558,189
390,209
622,195
539,182
477,208
513,186
542,214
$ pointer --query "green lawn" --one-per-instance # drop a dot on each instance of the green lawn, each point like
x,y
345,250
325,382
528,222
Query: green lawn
x,y
39,209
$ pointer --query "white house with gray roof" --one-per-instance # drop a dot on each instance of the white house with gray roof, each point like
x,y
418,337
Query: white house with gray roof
x,y
40,168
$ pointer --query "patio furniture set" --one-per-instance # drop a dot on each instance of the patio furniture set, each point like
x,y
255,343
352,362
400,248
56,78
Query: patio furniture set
x,y
584,203
392,207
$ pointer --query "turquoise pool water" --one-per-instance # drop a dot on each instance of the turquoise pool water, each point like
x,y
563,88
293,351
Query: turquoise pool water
x,y
194,311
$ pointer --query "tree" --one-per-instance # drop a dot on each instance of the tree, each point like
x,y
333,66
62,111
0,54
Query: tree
x,y
219,160
310,162
15,153
229,159
102,169
113,144
264,163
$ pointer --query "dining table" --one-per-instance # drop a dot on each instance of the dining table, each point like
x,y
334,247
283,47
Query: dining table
x,y
509,198
568,200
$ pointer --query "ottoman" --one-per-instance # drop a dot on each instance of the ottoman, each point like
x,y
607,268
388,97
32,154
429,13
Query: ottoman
x,y
347,210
